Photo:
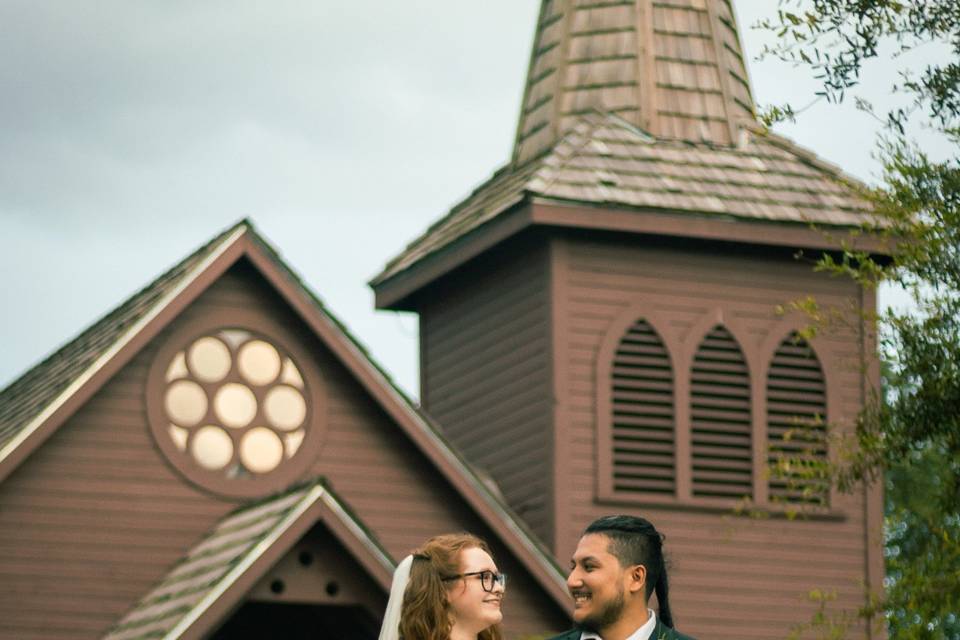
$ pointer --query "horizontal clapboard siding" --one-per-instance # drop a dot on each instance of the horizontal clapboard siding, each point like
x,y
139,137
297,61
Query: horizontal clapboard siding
x,y
95,517
796,420
485,376
731,579
720,426
643,422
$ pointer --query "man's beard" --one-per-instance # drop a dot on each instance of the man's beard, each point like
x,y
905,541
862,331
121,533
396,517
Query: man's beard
x,y
606,616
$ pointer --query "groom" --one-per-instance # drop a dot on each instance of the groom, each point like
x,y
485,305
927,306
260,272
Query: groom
x,y
618,564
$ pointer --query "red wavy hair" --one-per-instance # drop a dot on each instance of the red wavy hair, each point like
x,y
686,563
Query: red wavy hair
x,y
426,611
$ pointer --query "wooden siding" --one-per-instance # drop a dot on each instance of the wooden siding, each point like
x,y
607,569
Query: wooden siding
x,y
486,378
731,577
96,516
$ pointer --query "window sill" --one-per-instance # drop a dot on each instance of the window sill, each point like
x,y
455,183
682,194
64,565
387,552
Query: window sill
x,y
724,506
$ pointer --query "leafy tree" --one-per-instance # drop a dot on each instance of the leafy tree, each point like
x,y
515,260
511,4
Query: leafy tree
x,y
909,435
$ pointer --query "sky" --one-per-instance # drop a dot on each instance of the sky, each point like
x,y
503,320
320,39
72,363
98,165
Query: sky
x,y
133,132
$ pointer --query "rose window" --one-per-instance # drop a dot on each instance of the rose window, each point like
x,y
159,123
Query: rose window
x,y
232,404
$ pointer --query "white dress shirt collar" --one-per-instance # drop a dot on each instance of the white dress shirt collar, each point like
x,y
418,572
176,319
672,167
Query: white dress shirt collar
x,y
643,633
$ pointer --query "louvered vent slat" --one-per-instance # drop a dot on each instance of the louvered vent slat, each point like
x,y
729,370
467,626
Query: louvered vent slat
x,y
643,417
796,415
720,426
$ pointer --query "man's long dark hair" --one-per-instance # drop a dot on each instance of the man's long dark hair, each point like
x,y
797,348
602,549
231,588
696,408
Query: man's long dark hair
x,y
633,540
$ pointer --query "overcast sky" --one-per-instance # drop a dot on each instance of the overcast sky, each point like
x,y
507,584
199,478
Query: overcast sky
x,y
132,132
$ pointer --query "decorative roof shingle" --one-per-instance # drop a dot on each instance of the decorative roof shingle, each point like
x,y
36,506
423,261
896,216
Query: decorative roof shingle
x,y
35,405
674,68
605,160
225,554
27,397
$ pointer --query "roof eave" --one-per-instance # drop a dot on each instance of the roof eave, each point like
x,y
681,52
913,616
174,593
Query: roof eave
x,y
246,244
82,388
424,435
800,234
319,505
397,291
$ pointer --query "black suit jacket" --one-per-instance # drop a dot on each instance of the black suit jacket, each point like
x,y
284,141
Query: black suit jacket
x,y
660,632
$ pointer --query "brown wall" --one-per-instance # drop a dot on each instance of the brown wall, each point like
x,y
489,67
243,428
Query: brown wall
x,y
485,359
96,516
732,577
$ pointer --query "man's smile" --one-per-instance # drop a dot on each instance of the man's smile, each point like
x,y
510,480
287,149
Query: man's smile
x,y
580,597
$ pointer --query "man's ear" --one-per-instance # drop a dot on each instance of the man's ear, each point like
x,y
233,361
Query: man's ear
x,y
637,578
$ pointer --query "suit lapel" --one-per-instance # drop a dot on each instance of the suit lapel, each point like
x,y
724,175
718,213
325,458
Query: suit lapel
x,y
660,631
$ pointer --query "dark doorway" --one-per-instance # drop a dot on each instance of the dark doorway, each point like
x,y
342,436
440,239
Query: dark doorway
x,y
267,620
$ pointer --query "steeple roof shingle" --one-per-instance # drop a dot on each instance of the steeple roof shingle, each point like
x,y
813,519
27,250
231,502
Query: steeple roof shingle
x,y
643,106
673,68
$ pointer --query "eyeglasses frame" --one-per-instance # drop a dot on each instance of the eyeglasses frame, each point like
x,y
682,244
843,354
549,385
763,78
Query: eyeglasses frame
x,y
496,578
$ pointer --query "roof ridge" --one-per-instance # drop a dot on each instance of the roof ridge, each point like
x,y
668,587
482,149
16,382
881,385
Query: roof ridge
x,y
248,551
808,156
591,128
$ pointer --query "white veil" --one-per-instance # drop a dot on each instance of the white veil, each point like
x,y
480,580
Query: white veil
x,y
390,630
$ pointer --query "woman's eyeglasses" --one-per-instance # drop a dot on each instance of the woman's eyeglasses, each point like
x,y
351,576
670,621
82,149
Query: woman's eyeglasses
x,y
487,579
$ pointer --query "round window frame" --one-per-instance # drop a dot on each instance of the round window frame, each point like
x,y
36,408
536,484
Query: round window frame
x,y
290,470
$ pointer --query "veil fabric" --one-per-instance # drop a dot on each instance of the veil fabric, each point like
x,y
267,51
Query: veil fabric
x,y
390,630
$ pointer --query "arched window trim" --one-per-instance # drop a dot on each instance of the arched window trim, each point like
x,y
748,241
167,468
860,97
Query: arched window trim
x,y
829,367
604,379
751,402
681,347
686,353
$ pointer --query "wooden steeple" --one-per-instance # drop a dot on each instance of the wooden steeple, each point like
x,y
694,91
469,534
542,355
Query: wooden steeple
x,y
643,107
598,325
674,69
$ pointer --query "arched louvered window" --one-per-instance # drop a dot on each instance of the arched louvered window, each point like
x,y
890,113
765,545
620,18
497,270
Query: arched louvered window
x,y
796,430
643,416
721,449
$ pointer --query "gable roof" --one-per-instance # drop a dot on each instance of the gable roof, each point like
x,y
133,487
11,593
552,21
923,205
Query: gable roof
x,y
606,161
674,69
218,571
31,400
122,333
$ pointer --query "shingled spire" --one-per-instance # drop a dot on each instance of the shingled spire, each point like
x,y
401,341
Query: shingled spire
x,y
673,68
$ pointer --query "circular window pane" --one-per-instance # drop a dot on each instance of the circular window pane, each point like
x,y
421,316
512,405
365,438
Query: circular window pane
x,y
291,375
177,368
231,409
261,450
186,403
293,441
285,408
209,359
259,362
212,447
179,436
235,405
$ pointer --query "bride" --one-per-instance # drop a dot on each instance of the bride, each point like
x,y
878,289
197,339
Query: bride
x,y
448,589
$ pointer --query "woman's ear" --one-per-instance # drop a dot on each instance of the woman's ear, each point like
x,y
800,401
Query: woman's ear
x,y
638,578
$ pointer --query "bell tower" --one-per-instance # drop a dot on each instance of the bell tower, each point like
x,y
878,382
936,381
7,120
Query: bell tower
x,y
599,326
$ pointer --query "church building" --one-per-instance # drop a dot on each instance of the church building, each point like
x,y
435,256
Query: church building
x,y
605,327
